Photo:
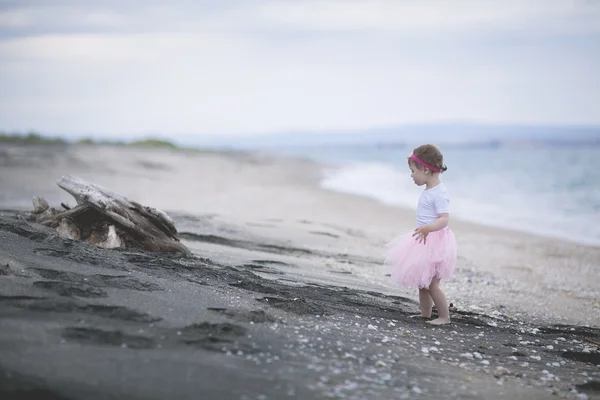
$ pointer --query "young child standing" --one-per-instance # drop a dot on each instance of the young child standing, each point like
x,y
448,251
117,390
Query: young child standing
x,y
426,256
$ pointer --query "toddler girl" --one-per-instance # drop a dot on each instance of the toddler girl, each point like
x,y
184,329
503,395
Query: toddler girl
x,y
428,255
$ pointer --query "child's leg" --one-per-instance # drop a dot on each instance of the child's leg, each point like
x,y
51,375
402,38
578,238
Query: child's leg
x,y
426,303
440,303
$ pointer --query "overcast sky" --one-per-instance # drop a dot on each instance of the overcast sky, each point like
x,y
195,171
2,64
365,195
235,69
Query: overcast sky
x,y
124,67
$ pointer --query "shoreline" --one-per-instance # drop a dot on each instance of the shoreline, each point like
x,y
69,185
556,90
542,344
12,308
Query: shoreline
x,y
506,227
319,165
315,165
323,166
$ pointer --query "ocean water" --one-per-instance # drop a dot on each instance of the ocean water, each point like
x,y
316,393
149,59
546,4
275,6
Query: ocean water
x,y
550,191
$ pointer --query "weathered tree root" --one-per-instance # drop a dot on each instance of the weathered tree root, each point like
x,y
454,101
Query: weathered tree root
x,y
108,220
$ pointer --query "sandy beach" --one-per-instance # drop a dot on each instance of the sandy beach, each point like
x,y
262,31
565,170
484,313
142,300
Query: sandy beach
x,y
287,296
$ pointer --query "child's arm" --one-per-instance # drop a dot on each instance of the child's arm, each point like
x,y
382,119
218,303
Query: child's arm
x,y
440,223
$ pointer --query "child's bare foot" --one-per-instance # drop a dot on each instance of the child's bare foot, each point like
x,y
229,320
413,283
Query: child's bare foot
x,y
439,321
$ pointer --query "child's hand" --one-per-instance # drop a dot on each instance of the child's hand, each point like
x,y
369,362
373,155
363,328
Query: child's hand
x,y
421,233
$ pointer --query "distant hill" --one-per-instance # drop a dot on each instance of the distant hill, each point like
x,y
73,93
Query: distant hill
x,y
153,143
472,135
35,138
457,134
29,138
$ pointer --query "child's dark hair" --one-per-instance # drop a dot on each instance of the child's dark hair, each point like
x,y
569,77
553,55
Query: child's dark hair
x,y
430,154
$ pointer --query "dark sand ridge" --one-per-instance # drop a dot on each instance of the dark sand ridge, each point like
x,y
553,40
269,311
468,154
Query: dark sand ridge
x,y
81,322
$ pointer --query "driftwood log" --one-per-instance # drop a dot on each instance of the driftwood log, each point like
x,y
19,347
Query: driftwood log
x,y
108,220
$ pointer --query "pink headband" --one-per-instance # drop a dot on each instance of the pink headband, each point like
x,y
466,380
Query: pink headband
x,y
423,163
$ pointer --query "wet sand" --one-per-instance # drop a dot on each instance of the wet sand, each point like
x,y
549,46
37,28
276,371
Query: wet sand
x,y
285,297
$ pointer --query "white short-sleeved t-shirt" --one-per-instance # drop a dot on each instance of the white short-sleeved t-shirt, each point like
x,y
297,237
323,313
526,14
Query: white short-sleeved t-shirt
x,y
431,203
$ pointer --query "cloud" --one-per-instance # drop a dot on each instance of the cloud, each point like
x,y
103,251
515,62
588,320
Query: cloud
x,y
392,16
245,67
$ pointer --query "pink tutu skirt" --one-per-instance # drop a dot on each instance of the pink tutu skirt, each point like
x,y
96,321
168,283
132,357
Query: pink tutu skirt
x,y
415,264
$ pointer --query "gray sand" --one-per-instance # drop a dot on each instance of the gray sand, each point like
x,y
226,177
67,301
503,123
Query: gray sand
x,y
80,322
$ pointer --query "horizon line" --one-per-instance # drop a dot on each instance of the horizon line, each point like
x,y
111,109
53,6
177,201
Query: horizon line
x,y
313,131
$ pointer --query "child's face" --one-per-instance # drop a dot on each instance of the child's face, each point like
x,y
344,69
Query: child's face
x,y
419,176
